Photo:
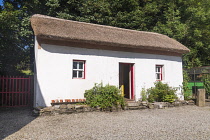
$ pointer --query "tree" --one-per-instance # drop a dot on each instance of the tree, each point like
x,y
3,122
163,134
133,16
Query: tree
x,y
185,21
196,15
11,49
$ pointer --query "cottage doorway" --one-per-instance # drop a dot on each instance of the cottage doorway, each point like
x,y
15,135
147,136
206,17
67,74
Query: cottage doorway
x,y
126,80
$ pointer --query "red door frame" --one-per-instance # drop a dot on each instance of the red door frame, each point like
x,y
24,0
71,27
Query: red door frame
x,y
131,84
132,80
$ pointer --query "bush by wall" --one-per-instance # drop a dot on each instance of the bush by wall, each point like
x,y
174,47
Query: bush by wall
x,y
143,94
161,93
104,97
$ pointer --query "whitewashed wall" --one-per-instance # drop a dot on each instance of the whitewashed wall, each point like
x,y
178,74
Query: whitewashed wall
x,y
54,71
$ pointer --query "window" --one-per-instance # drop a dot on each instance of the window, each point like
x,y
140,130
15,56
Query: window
x,y
159,72
79,69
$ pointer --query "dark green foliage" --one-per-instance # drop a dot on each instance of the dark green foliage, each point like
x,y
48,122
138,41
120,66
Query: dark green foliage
x,y
161,93
14,44
206,83
185,88
186,21
104,97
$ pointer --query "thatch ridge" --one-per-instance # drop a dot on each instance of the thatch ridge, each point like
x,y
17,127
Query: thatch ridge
x,y
67,30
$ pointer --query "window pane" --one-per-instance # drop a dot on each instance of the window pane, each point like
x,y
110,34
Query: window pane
x,y
157,69
74,73
158,76
80,74
74,65
80,65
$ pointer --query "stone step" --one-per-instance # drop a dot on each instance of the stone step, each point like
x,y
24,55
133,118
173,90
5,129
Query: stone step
x,y
133,107
132,104
129,100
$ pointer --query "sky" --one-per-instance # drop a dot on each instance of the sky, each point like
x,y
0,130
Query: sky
x,y
1,2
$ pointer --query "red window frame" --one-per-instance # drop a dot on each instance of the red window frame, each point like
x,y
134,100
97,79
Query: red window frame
x,y
78,69
159,71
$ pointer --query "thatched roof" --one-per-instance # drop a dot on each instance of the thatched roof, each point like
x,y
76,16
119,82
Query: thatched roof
x,y
50,28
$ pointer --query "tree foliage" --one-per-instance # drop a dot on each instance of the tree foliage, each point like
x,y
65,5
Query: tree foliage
x,y
11,48
206,83
185,21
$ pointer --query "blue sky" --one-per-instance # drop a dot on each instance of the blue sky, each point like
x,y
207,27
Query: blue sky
x,y
1,2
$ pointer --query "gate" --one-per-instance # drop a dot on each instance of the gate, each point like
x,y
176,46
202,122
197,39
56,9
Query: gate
x,y
15,91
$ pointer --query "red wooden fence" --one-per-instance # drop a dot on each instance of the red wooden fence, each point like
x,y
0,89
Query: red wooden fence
x,y
15,91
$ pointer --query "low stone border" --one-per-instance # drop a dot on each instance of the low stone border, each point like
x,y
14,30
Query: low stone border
x,y
163,105
75,108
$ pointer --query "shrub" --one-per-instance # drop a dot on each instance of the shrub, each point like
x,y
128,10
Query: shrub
x,y
206,83
161,93
151,98
185,88
187,95
104,97
169,98
144,94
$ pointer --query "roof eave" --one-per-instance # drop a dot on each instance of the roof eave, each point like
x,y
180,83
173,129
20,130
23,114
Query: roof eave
x,y
108,46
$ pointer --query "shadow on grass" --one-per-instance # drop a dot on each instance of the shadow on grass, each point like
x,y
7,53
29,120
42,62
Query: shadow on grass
x,y
13,119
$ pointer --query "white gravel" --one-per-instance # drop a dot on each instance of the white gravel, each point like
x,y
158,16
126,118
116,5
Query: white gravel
x,y
187,122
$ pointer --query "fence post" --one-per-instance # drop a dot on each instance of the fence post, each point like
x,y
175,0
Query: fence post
x,y
31,91
200,101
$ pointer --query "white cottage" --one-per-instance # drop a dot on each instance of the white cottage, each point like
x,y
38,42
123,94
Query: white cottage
x,y
71,56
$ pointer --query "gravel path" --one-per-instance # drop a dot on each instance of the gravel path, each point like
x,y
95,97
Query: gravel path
x,y
187,122
13,119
